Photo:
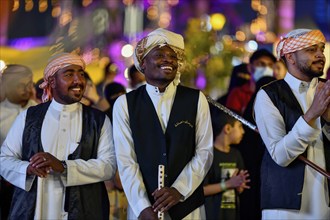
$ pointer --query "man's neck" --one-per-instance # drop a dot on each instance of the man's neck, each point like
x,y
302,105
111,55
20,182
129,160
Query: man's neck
x,y
161,86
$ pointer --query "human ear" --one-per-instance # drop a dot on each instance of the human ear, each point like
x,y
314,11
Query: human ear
x,y
227,128
51,81
290,58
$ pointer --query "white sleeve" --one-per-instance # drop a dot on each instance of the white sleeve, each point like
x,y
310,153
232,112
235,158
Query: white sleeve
x,y
12,168
102,168
128,166
283,147
194,172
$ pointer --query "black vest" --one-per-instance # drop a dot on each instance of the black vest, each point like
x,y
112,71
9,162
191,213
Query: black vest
x,y
174,149
81,202
281,187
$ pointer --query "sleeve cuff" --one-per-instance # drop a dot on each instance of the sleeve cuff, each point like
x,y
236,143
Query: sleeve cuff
x,y
182,189
140,206
29,179
305,131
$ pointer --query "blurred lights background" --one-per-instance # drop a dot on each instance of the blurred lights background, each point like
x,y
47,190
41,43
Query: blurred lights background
x,y
218,33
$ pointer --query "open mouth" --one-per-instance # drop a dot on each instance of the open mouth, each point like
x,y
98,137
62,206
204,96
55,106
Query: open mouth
x,y
168,68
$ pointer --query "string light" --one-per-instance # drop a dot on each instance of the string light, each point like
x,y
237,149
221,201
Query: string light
x,y
28,5
15,5
43,5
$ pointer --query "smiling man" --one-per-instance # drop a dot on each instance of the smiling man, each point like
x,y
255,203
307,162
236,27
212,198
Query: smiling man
x,y
163,123
293,118
58,153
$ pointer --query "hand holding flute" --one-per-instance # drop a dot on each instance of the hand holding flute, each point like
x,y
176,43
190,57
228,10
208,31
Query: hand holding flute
x,y
165,198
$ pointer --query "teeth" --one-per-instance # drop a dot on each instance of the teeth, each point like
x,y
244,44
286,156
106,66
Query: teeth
x,y
166,68
76,89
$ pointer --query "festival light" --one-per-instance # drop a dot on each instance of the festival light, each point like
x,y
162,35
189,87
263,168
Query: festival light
x,y
127,50
218,20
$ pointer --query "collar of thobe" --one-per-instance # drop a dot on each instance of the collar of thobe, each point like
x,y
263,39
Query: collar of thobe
x,y
64,108
298,85
154,90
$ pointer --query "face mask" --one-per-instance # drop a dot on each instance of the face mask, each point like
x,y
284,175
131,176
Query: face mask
x,y
261,72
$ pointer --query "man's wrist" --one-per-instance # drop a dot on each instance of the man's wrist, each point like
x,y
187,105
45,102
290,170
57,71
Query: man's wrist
x,y
64,167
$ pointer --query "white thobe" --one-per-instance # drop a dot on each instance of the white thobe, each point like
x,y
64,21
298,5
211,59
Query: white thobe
x,y
284,148
8,114
60,135
193,173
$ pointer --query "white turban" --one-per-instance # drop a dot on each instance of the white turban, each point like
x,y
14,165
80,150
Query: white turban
x,y
55,63
158,37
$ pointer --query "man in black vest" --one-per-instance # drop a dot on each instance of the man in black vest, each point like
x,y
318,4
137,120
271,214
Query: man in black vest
x,y
293,118
163,123
57,154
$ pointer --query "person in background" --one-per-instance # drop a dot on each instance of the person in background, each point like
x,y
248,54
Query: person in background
x,y
252,150
136,78
293,118
110,72
261,64
58,153
240,77
17,86
111,92
147,135
91,97
227,177
279,69
37,96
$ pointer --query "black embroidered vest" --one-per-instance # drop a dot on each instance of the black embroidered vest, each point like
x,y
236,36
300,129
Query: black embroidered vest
x,y
281,187
82,202
174,149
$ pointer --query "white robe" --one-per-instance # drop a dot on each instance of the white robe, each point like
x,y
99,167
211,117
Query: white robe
x,y
60,134
193,173
8,114
284,148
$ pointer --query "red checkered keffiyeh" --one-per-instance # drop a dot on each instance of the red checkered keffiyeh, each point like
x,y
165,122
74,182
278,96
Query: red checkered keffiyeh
x,y
55,63
297,40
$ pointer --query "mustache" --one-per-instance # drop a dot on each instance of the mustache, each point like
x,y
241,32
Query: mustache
x,y
322,61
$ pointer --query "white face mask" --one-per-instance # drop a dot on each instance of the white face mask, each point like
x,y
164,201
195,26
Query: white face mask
x,y
262,71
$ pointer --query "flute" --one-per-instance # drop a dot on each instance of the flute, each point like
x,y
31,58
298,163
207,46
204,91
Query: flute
x,y
161,176
254,128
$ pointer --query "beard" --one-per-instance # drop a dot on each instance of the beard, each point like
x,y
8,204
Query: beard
x,y
308,71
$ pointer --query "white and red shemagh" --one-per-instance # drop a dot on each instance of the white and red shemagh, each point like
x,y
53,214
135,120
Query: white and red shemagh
x,y
297,40
55,63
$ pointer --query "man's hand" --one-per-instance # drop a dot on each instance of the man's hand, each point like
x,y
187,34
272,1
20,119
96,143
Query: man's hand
x,y
40,172
320,103
44,160
165,198
148,214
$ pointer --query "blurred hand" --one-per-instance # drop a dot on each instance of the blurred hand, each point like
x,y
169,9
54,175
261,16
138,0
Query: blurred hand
x,y
43,160
148,214
238,179
91,92
165,198
320,104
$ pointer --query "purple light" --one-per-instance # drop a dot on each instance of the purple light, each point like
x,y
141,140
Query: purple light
x,y
28,43
200,81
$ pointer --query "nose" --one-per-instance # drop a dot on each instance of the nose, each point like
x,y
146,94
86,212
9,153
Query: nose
x,y
78,78
320,54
